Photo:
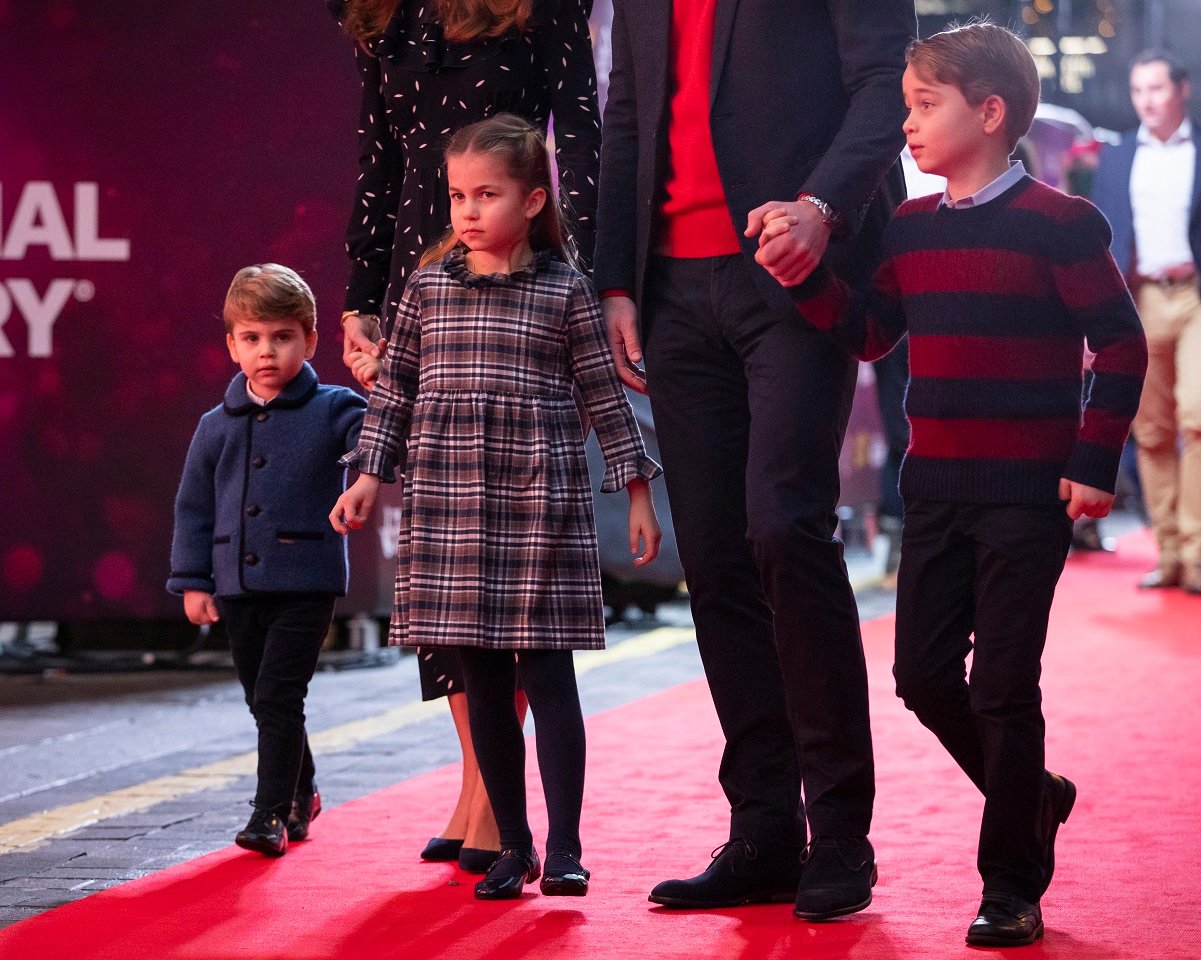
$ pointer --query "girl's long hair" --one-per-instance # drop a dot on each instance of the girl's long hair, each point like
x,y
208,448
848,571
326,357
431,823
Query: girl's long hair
x,y
520,146
462,20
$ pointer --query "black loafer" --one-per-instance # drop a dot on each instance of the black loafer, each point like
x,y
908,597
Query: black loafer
x,y
441,850
305,809
265,833
475,860
563,876
1004,920
739,874
505,879
837,876
1059,796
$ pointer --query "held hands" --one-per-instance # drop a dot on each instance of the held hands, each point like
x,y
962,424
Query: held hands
x,y
621,326
361,340
365,366
1083,500
792,239
644,525
354,506
200,608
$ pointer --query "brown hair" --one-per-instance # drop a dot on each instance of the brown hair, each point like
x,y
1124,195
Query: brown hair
x,y
268,291
520,146
462,20
982,59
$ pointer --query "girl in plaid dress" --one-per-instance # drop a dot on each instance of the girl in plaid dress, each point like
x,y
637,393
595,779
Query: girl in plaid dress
x,y
497,553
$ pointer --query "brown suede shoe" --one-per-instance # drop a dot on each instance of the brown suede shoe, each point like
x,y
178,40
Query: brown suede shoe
x,y
1161,578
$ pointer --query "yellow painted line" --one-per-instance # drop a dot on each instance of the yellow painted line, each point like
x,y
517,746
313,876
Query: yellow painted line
x,y
30,832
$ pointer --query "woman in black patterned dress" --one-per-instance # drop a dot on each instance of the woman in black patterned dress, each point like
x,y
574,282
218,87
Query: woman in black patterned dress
x,y
428,68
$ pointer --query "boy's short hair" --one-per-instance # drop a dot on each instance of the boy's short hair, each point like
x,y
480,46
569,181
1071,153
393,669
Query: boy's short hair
x,y
1177,71
982,59
269,291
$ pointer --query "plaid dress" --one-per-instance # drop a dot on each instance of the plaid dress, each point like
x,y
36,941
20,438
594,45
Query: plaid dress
x,y
497,541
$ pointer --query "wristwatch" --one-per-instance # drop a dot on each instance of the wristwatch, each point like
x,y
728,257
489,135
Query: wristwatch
x,y
830,217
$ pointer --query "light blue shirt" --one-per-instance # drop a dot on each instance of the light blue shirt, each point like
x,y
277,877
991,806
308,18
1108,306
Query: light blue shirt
x,y
990,191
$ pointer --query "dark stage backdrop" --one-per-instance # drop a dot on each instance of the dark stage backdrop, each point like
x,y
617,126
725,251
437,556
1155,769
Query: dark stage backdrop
x,y
147,151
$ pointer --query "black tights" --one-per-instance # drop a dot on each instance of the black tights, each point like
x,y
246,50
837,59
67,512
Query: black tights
x,y
548,679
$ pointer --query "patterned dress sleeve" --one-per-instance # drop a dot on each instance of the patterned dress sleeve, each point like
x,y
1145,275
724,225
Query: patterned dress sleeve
x,y
384,436
372,224
565,51
603,395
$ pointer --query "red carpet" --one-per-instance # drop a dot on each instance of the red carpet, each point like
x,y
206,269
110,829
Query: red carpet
x,y
1122,681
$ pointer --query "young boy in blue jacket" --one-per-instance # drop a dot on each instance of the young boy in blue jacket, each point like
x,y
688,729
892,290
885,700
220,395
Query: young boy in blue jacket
x,y
252,544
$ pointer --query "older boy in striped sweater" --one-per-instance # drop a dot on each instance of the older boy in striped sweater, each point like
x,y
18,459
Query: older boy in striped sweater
x,y
999,283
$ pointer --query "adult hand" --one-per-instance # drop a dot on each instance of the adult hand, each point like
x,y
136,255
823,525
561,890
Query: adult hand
x,y
200,608
1083,500
788,255
360,334
621,325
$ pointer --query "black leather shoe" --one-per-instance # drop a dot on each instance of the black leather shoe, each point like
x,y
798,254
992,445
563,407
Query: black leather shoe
x,y
475,860
1004,920
441,850
1086,535
837,876
739,874
266,833
1161,578
305,809
563,876
1059,796
512,870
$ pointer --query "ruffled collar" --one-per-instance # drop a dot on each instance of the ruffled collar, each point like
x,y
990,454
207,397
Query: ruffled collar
x,y
455,265
298,391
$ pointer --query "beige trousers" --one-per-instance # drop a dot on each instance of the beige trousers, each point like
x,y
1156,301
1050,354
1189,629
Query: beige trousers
x,y
1167,428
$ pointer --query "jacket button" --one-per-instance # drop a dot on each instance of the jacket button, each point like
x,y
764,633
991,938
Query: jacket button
x,y
251,559
258,462
253,510
262,417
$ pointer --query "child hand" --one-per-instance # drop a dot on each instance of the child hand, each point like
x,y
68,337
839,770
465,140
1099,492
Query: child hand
x,y
200,608
644,525
775,223
365,367
354,506
1083,500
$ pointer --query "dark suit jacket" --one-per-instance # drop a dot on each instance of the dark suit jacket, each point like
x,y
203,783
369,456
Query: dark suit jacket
x,y
1111,193
805,96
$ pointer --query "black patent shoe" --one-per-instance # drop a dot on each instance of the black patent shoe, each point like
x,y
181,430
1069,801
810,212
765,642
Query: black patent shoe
x,y
1059,796
305,809
1004,920
506,877
265,833
739,874
837,876
441,850
563,876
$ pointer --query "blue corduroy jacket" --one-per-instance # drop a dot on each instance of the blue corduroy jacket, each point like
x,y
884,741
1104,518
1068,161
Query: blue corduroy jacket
x,y
252,513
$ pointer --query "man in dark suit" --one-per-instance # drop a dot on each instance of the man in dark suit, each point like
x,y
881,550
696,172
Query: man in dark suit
x,y
717,113
1148,186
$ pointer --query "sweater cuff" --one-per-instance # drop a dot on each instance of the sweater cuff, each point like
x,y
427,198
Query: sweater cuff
x,y
1093,465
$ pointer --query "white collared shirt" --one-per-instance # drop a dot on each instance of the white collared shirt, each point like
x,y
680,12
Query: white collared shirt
x,y
254,397
990,191
1161,193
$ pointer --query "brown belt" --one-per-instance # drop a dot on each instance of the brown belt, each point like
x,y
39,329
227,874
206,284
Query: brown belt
x,y
1170,283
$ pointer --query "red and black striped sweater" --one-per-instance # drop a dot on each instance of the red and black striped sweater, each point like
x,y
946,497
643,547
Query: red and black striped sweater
x,y
998,301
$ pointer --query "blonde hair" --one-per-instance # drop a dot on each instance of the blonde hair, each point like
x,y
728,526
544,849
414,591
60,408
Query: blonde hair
x,y
520,146
982,59
269,291
462,20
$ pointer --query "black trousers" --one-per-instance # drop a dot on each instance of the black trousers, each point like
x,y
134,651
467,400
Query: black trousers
x,y
275,640
548,679
750,407
987,570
